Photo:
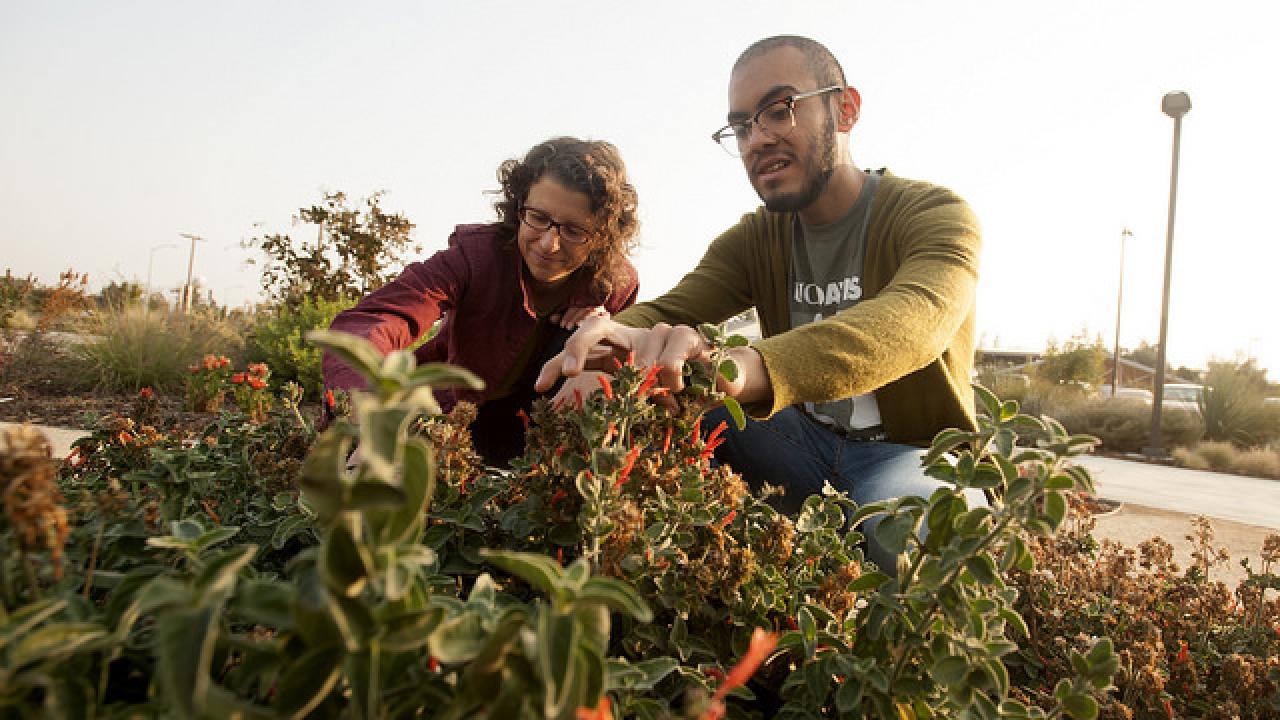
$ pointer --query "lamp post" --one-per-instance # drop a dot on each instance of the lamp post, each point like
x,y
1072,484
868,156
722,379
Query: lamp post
x,y
151,259
191,263
1115,360
1175,105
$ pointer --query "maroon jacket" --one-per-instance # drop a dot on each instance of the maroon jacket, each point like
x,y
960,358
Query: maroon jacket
x,y
477,286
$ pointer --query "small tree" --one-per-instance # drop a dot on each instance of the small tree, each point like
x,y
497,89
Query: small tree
x,y
351,254
1076,362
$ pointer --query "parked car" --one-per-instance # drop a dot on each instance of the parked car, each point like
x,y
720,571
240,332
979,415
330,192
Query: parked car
x,y
1127,394
1183,396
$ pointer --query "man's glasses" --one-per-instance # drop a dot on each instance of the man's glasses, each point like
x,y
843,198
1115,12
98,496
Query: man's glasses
x,y
541,221
776,120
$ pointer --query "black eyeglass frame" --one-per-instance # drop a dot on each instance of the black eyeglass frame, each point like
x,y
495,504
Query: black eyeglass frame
x,y
740,132
574,229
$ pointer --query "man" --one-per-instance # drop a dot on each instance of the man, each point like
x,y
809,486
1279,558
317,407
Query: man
x,y
863,282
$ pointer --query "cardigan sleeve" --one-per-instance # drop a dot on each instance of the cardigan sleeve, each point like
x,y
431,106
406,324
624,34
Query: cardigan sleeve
x,y
929,251
395,315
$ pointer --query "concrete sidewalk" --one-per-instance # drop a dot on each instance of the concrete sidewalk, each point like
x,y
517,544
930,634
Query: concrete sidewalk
x,y
1248,500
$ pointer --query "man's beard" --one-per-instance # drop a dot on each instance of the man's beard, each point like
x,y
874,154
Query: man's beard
x,y
822,159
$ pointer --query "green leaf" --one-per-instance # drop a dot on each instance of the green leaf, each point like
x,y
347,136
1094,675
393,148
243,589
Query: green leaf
x,y
219,574
27,617
184,643
735,412
1055,508
868,581
950,670
616,595
341,564
457,639
289,527
728,370
441,375
53,642
409,631
539,571
266,602
366,495
1080,706
983,569
892,532
557,640
355,352
307,682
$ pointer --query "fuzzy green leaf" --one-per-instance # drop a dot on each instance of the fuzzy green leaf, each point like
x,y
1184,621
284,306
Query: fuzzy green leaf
x,y
307,682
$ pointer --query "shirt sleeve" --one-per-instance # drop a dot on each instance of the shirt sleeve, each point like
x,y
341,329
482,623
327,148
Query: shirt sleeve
x,y
904,327
394,316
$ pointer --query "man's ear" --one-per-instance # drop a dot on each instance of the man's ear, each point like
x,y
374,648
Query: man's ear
x,y
850,107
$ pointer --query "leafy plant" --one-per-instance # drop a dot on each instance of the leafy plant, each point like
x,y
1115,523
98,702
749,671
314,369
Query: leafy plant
x,y
278,339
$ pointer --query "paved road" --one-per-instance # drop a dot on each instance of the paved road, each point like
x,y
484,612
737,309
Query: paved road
x,y
1253,501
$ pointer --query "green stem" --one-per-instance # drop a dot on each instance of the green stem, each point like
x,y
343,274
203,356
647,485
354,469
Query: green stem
x,y
31,576
374,653
93,559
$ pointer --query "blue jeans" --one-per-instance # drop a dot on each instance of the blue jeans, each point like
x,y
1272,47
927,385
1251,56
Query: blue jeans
x,y
793,451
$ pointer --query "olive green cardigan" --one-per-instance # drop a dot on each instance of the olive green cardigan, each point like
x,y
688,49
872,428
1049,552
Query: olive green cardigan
x,y
910,339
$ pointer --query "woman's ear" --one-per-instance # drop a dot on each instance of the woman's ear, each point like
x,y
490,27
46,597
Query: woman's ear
x,y
850,107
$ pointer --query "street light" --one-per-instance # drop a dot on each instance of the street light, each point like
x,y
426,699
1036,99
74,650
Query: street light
x,y
151,259
191,263
1115,360
1175,105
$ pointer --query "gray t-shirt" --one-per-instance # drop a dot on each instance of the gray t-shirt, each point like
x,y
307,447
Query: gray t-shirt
x,y
826,277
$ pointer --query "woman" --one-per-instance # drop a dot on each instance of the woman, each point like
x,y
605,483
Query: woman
x,y
507,293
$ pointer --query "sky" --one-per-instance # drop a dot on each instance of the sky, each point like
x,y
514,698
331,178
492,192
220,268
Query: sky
x,y
125,124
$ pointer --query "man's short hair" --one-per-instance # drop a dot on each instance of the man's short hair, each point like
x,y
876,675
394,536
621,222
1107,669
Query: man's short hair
x,y
824,66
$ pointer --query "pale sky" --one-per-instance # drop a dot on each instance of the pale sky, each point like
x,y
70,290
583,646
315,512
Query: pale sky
x,y
123,124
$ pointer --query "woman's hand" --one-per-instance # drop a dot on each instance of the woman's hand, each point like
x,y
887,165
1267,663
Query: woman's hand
x,y
574,316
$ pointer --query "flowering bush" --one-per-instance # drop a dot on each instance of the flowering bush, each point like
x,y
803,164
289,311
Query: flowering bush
x,y
250,391
207,383
612,571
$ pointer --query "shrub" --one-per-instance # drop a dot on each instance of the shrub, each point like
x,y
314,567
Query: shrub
x,y
278,338
1124,426
1258,462
1220,456
1231,403
1188,458
132,349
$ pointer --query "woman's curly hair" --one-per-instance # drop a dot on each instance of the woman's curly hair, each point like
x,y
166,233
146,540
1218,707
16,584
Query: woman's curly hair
x,y
594,168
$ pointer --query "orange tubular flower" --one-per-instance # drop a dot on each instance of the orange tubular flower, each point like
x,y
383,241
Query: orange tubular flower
x,y
328,398
256,383
626,469
649,380
666,440
602,711
224,361
724,522
146,393
259,369
606,386
762,644
237,379
524,417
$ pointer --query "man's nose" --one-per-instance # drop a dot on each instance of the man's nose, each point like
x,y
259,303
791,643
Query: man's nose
x,y
758,138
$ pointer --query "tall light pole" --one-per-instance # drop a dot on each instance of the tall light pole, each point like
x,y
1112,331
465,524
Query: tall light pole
x,y
191,264
151,259
1115,360
1175,105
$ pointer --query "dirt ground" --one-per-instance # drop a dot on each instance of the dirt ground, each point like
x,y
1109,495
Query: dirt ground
x,y
1132,524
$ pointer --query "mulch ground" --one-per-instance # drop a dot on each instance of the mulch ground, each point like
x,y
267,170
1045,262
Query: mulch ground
x,y
22,403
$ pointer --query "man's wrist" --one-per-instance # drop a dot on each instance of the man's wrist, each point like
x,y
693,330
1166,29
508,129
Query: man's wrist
x,y
753,386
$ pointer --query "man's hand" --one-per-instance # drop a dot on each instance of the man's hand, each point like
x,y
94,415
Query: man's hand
x,y
663,345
